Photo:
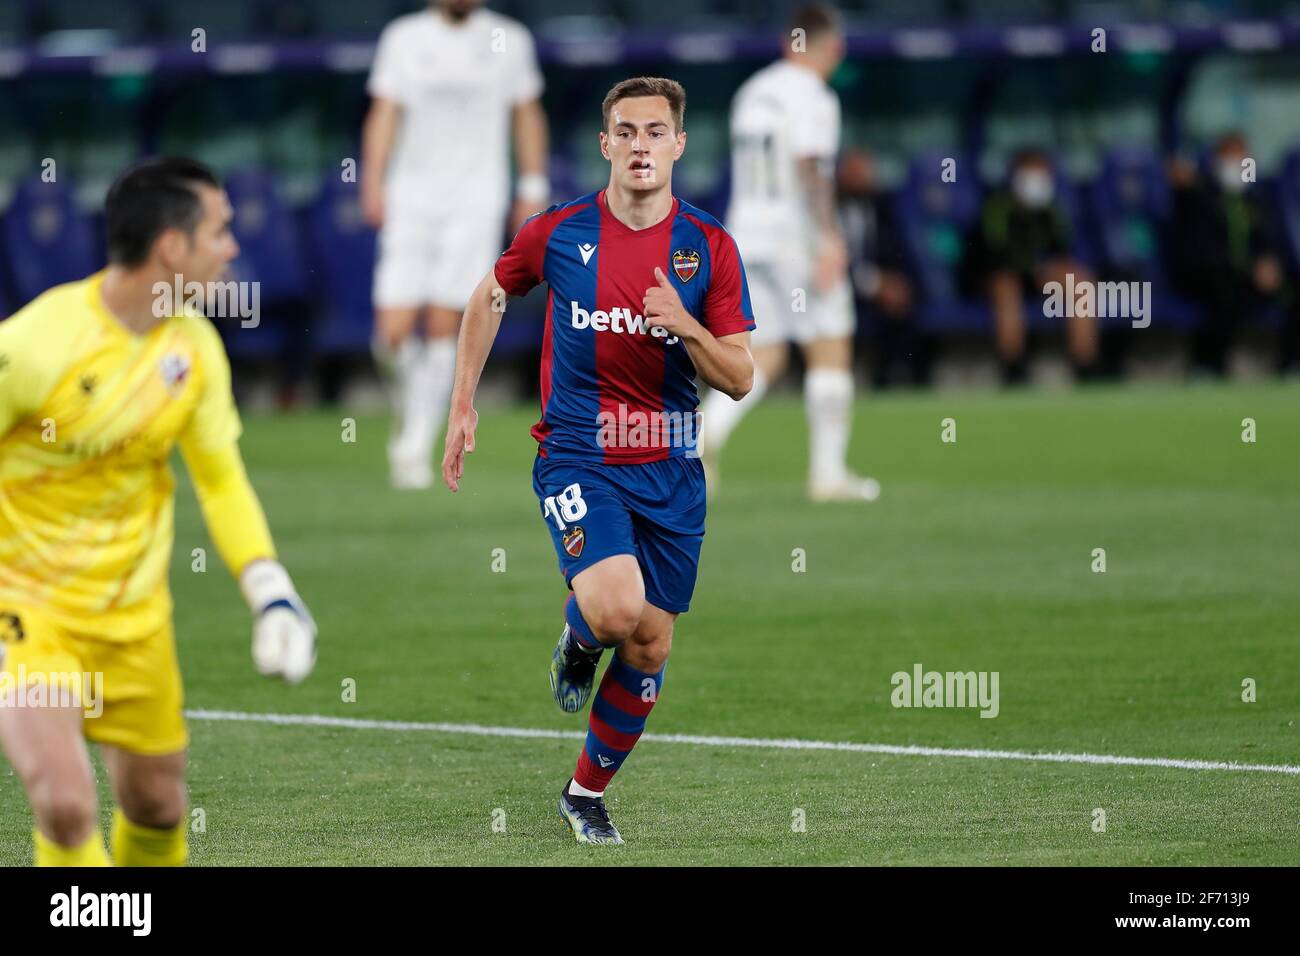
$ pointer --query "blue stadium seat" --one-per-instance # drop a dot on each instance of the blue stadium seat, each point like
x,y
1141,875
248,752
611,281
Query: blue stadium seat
x,y
269,243
1288,193
934,218
48,240
1131,204
1131,199
341,250
271,255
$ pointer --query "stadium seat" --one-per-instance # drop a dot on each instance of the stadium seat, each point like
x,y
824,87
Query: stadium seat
x,y
1131,204
270,251
47,239
341,253
271,255
934,218
1289,205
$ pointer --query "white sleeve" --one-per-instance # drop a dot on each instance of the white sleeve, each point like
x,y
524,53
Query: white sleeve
x,y
816,130
526,79
386,73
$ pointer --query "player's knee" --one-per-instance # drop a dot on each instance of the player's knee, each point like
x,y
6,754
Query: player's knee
x,y
615,617
393,337
648,653
648,649
65,813
395,326
442,324
159,804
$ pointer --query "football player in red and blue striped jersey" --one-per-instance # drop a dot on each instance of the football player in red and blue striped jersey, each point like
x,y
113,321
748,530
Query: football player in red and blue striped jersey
x,y
646,293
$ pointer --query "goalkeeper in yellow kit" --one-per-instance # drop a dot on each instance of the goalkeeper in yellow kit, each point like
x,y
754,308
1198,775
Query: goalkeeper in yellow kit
x,y
99,379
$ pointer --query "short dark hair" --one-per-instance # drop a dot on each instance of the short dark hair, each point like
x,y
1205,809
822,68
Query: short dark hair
x,y
1233,139
670,90
814,19
150,198
1030,156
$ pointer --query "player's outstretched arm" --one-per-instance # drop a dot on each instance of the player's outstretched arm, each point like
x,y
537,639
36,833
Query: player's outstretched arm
x,y
284,633
724,363
478,330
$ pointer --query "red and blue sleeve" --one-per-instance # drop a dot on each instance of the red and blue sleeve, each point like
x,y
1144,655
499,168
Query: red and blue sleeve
x,y
519,268
726,305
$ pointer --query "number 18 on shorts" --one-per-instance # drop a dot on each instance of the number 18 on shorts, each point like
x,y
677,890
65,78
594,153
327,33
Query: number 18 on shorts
x,y
653,511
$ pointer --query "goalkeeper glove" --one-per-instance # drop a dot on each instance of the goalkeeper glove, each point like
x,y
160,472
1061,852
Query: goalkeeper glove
x,y
284,634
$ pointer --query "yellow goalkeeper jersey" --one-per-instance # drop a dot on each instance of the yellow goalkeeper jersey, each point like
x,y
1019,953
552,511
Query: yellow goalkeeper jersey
x,y
89,414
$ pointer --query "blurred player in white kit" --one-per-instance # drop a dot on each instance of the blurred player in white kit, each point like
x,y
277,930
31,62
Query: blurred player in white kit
x,y
450,85
785,134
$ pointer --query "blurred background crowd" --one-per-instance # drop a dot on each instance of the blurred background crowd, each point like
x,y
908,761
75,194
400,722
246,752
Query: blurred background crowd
x,y
1122,164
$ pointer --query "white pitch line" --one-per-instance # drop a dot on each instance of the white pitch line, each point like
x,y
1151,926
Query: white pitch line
x,y
901,750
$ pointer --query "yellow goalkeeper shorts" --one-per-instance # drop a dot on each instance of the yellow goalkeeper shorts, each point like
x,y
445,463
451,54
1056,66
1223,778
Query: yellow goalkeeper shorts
x,y
129,691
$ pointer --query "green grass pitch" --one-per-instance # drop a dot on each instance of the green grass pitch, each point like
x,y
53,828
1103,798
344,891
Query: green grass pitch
x,y
978,557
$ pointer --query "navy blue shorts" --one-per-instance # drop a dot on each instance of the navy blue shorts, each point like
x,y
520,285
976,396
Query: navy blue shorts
x,y
654,511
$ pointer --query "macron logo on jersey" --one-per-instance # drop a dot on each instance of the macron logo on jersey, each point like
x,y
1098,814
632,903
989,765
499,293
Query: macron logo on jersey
x,y
586,250
618,320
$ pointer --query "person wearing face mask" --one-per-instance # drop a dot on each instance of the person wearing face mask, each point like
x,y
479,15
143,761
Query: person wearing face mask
x,y
1020,243
1223,253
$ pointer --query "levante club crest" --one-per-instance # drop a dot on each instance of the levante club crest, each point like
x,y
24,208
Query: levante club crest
x,y
686,262
574,539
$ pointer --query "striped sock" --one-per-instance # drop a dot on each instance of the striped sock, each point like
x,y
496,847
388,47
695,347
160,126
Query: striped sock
x,y
578,627
618,716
